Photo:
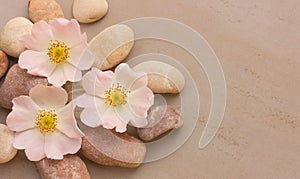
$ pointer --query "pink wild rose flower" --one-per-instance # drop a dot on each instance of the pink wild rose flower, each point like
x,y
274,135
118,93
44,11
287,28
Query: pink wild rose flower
x,y
45,126
114,99
56,50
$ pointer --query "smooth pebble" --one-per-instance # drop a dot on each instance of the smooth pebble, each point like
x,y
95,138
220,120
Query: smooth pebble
x,y
96,10
11,33
17,82
7,151
110,148
112,46
3,63
44,10
70,167
162,77
161,119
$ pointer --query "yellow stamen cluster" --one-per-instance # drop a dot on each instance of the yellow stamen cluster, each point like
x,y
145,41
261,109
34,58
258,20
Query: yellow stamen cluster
x,y
116,95
58,52
46,121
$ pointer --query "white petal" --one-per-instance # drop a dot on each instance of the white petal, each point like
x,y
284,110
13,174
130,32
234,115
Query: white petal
x,y
128,78
37,63
95,82
57,145
33,143
39,38
126,114
140,101
81,56
23,114
66,31
90,101
91,117
57,78
72,73
66,122
49,97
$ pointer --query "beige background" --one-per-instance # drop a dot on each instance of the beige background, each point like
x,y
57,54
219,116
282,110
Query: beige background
x,y
257,43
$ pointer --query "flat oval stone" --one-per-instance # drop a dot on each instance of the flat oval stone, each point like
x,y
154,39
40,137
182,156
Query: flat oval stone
x,y
112,46
96,10
17,82
162,77
110,148
7,151
161,119
3,63
10,34
70,167
44,10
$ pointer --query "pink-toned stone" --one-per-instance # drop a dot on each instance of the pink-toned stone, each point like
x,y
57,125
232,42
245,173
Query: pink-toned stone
x,y
44,10
70,167
17,82
110,148
3,63
160,120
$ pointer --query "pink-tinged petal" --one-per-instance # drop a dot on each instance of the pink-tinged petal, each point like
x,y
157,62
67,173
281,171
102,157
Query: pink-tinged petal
x,y
89,101
57,145
49,97
81,56
36,63
111,120
121,126
67,123
91,117
125,113
72,73
57,78
95,82
23,114
67,31
40,37
33,143
128,78
140,101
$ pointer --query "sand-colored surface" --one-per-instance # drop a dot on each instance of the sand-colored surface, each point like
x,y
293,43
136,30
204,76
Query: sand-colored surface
x,y
257,43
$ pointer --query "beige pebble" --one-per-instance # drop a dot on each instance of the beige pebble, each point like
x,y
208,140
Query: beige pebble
x,y
7,151
70,167
162,77
96,10
3,63
44,10
112,46
11,33
110,148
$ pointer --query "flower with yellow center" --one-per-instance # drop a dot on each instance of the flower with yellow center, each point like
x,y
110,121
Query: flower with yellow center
x,y
46,121
116,95
56,50
45,126
114,99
